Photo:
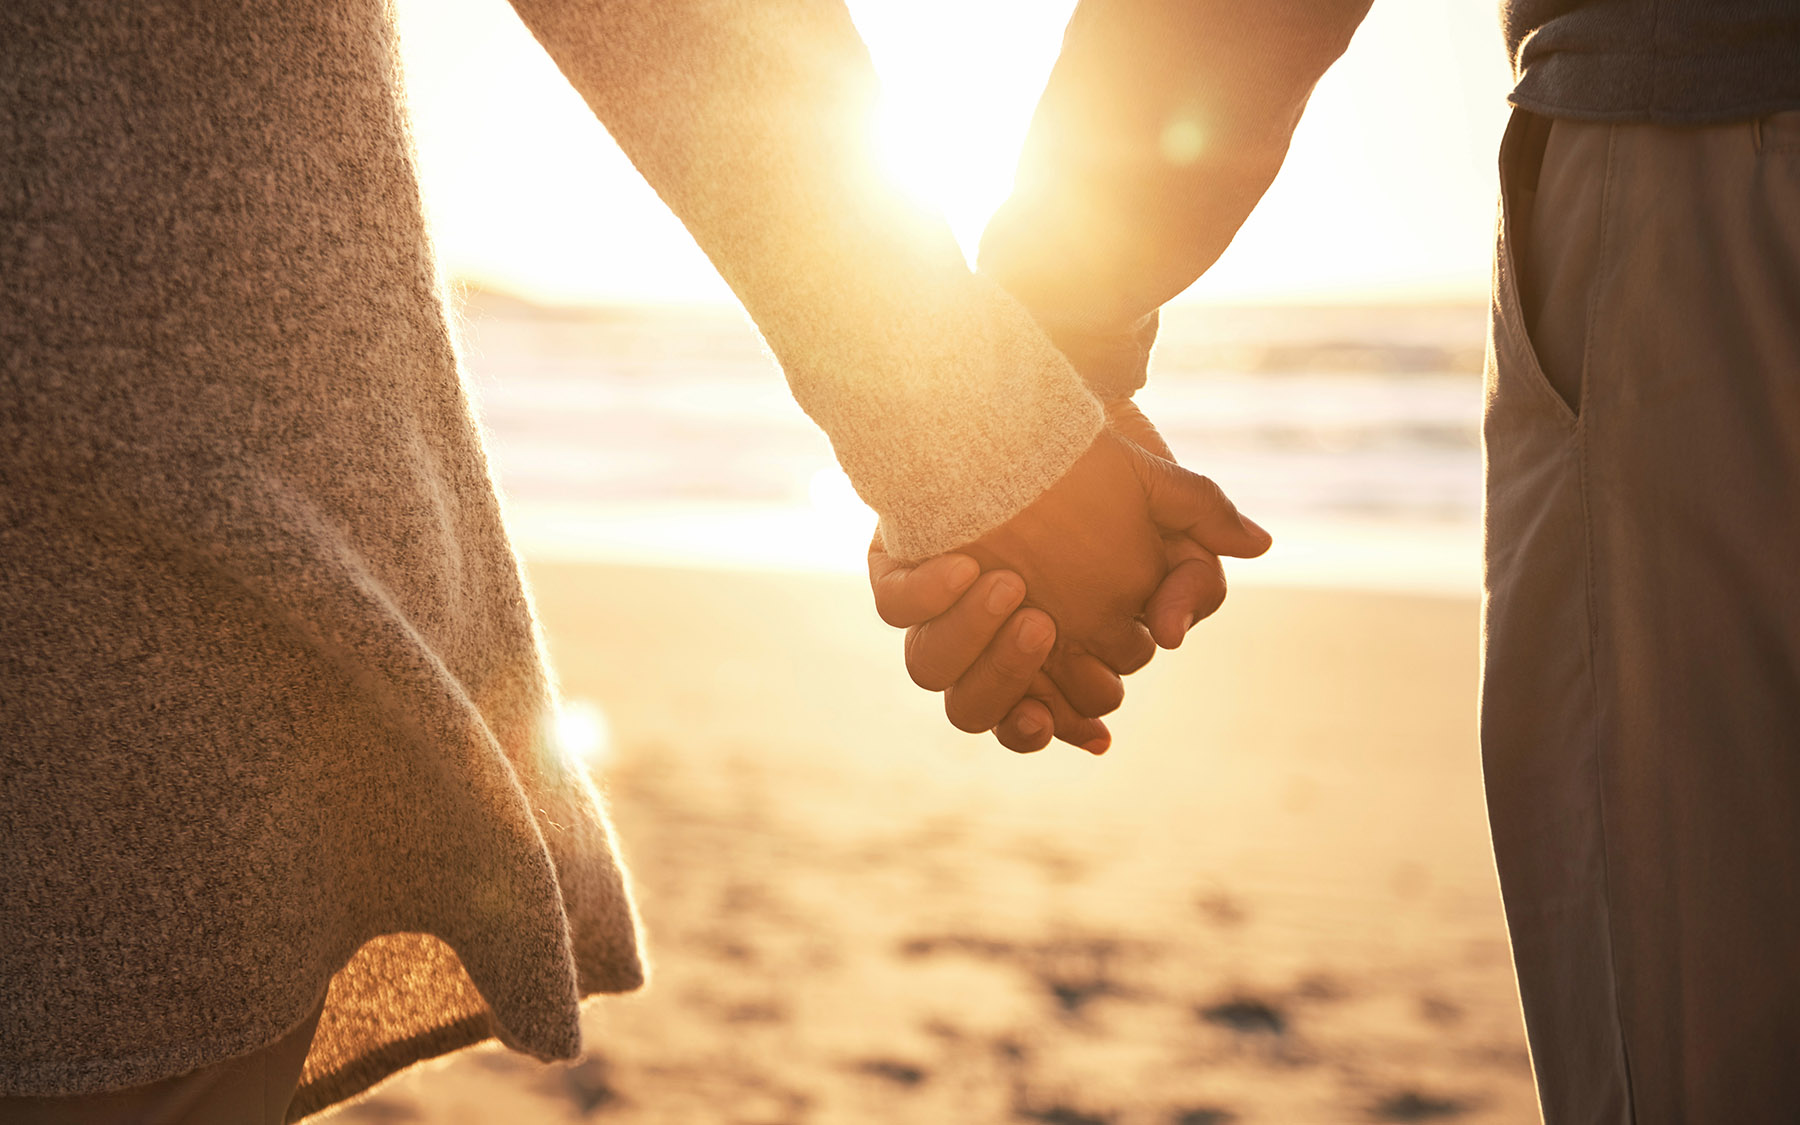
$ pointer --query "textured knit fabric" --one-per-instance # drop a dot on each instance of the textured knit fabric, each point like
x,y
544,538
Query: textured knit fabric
x,y
273,708
1663,61
946,406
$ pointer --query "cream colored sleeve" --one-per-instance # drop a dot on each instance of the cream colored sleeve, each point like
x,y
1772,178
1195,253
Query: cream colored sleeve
x,y
947,406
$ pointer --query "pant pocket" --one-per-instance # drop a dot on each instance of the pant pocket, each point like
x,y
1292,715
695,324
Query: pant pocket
x,y
1518,387
1779,133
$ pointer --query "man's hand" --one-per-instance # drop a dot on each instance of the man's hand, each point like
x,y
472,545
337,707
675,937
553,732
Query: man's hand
x,y
1095,547
1194,587
1090,556
960,640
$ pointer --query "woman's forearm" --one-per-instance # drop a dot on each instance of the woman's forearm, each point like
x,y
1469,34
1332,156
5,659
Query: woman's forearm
x,y
946,405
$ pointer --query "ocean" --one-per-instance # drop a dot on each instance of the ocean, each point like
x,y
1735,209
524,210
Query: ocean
x,y
666,436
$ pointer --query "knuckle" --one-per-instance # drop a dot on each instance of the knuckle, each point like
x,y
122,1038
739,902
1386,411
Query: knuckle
x,y
1103,694
1017,742
894,602
1209,587
964,716
1011,665
927,677
1105,704
1207,606
1136,652
1213,496
923,663
1090,702
1076,730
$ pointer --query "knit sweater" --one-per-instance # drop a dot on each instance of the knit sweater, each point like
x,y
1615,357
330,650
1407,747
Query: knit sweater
x,y
274,711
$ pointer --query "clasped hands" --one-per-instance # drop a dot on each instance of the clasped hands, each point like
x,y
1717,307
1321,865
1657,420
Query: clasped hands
x,y
1028,630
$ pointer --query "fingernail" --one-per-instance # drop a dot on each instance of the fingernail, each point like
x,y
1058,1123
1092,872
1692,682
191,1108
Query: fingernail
x,y
1097,747
1005,594
1186,624
1034,634
1254,528
1031,725
963,573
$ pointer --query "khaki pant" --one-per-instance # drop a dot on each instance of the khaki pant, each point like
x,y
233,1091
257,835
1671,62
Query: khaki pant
x,y
252,1090
1641,688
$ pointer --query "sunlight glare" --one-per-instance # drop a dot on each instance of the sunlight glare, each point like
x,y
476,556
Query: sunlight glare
x,y
833,496
905,147
959,83
1386,193
1183,140
583,733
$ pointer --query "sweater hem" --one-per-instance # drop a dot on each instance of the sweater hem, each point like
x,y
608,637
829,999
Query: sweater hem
x,y
1063,447
365,1072
101,1075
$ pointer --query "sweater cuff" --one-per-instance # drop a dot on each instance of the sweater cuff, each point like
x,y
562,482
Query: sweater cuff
x,y
935,521
985,416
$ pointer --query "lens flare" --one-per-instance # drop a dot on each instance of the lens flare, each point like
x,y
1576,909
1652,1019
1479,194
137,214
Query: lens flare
x,y
583,733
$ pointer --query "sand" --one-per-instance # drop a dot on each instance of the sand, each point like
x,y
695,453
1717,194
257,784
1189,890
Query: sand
x,y
1273,901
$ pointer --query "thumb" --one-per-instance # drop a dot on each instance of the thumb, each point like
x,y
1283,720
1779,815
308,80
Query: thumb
x,y
1192,504
911,595
1124,418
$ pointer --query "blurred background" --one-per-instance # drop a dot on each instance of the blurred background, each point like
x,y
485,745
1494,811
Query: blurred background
x,y
1273,901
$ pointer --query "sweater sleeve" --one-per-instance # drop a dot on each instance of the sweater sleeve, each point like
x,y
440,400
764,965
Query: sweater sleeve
x,y
945,403
1163,123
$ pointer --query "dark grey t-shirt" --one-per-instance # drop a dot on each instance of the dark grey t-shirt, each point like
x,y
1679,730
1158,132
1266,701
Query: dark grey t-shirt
x,y
1666,61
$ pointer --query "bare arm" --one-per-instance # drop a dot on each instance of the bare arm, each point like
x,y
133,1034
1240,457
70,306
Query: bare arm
x,y
1162,125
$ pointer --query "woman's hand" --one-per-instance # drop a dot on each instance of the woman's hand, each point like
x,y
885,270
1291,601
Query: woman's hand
x,y
1084,549
967,637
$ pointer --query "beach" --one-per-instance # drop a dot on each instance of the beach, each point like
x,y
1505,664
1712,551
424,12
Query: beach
x,y
1272,901
667,436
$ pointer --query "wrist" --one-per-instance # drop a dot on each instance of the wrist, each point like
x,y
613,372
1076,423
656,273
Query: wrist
x,y
1112,358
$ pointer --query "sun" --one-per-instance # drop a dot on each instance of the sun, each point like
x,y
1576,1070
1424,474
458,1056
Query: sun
x,y
959,82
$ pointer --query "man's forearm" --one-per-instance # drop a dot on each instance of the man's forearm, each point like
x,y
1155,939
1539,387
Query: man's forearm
x,y
1162,125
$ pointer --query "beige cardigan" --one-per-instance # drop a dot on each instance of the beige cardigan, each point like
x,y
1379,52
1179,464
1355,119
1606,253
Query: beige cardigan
x,y
273,706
